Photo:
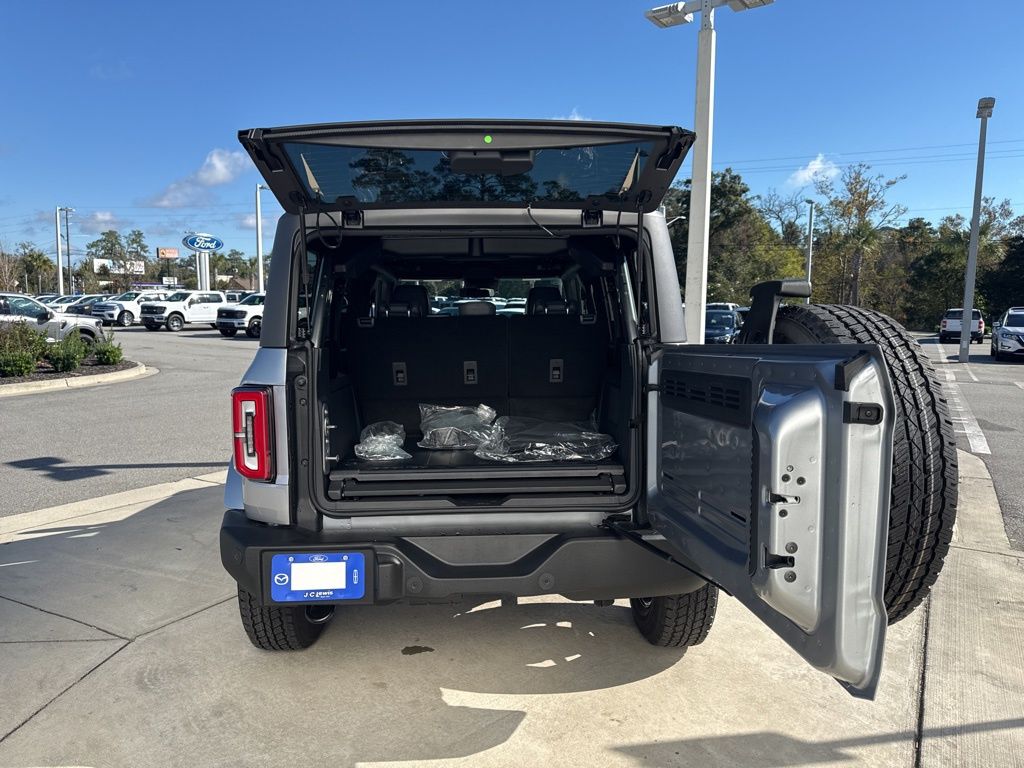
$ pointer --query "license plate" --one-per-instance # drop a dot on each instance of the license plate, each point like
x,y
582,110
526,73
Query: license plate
x,y
303,577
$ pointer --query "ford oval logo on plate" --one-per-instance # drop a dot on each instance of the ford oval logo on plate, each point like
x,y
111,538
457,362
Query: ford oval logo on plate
x,y
318,558
202,242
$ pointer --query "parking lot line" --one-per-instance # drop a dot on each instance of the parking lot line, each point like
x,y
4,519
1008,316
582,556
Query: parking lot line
x,y
963,419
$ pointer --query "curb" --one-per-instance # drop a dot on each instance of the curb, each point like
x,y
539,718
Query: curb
x,y
150,494
138,371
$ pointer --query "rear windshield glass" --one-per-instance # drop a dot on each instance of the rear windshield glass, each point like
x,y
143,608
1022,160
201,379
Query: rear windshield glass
x,y
719,320
387,176
957,314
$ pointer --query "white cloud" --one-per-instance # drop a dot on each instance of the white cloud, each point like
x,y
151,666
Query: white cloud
x,y
573,115
221,166
819,166
98,221
248,220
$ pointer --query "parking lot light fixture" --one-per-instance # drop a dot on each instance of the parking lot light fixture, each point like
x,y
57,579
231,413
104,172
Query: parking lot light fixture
x,y
675,14
985,107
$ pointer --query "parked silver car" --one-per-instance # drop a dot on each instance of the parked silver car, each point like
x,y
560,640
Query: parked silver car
x,y
18,308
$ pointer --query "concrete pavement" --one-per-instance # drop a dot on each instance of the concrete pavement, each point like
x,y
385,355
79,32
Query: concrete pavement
x,y
120,645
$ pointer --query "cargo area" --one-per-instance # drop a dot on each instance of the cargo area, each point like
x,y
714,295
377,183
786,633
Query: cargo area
x,y
561,356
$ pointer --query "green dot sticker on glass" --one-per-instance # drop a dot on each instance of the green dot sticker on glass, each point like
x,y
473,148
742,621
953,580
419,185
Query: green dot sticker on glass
x,y
488,139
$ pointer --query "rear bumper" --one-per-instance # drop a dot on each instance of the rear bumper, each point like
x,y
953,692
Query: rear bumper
x,y
446,568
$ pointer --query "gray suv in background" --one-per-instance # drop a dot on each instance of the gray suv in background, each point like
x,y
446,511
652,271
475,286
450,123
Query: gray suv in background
x,y
17,308
584,448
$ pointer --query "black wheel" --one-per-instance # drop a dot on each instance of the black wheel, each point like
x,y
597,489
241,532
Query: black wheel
x,y
274,628
942,338
229,332
214,326
175,323
676,621
254,327
88,339
923,500
125,319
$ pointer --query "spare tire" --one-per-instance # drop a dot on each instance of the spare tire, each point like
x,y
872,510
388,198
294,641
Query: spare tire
x,y
923,501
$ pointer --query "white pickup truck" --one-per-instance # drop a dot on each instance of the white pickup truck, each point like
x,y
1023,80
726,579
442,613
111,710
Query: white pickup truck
x,y
246,315
126,308
182,308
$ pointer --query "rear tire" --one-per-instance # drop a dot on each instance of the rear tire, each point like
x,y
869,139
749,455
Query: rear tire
x,y
125,319
676,621
229,332
923,499
274,628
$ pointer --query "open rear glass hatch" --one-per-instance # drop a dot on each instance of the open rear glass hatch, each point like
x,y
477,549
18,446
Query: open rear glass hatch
x,y
492,163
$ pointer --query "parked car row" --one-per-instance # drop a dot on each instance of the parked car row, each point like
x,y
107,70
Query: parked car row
x,y
18,308
228,312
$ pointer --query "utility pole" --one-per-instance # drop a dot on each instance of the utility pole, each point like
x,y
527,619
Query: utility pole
x,y
810,243
674,14
60,255
259,236
985,107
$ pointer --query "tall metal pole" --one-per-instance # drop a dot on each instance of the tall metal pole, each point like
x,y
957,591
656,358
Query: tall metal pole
x,y
695,294
67,239
259,237
985,106
60,255
810,244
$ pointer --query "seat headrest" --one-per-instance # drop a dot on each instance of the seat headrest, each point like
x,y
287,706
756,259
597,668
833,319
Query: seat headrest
x,y
409,301
545,300
477,308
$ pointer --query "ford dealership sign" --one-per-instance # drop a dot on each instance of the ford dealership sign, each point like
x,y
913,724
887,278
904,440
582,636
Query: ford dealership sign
x,y
202,242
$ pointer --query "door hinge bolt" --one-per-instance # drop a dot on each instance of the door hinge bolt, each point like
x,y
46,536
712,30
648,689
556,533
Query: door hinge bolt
x,y
790,576
791,547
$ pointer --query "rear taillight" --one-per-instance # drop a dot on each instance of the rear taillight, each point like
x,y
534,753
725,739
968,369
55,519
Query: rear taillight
x,y
253,428
943,323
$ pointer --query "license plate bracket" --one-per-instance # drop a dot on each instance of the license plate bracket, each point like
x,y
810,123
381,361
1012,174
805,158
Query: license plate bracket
x,y
318,576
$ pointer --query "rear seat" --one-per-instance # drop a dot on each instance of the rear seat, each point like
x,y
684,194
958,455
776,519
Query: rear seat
x,y
548,364
406,357
557,360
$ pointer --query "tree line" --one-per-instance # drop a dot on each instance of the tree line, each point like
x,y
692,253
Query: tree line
x,y
862,254
28,268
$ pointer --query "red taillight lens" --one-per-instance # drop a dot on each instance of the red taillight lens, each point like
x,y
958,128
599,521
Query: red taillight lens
x,y
252,425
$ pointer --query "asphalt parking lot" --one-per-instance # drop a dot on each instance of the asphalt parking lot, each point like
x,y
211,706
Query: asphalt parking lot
x,y
121,644
76,444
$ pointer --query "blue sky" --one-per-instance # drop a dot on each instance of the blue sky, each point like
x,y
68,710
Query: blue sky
x,y
129,111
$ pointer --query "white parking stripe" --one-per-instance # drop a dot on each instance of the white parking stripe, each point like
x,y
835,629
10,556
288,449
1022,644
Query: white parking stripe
x,y
970,373
1019,384
962,417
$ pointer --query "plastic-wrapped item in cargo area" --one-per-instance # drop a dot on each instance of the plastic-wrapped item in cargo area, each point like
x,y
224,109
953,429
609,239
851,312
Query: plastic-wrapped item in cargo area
x,y
523,439
455,427
382,441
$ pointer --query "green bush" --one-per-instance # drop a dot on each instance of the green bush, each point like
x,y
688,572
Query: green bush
x,y
16,363
22,338
68,353
107,351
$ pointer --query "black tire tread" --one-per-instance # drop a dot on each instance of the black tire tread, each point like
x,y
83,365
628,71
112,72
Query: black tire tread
x,y
276,629
677,621
924,479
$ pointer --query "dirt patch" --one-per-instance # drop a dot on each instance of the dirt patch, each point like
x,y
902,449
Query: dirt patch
x,y
44,372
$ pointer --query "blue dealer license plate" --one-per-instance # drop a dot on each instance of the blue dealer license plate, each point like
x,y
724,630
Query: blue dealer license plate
x,y
301,577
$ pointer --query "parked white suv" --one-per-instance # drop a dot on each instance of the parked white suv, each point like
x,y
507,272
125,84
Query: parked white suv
x,y
1008,335
182,308
246,315
126,308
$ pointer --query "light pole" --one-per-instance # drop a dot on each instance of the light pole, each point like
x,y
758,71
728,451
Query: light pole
x,y
60,255
67,239
259,236
985,106
810,243
674,14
